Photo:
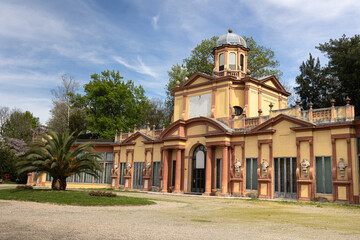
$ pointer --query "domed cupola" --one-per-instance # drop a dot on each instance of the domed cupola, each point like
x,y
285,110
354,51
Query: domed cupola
x,y
230,39
230,56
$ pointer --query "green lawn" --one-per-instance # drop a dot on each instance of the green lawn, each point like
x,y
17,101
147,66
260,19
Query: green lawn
x,y
69,197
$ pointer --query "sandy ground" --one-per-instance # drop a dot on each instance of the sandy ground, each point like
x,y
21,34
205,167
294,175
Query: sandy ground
x,y
178,217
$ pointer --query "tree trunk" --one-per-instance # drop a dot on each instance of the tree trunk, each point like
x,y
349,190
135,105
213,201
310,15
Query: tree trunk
x,y
63,184
58,184
55,185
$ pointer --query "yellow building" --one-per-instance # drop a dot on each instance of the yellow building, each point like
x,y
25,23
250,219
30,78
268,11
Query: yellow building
x,y
233,134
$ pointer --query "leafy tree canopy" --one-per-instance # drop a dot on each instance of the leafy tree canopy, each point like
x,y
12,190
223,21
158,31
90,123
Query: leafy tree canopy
x,y
338,79
20,125
344,67
314,84
111,104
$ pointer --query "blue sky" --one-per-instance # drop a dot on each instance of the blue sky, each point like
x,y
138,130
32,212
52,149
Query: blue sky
x,y
41,40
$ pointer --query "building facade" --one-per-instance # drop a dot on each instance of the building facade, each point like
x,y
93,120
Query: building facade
x,y
233,135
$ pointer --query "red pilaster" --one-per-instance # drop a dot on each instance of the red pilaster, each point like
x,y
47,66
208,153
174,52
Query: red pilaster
x,y
166,171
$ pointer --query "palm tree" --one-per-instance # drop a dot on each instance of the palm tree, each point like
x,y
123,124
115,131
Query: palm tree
x,y
53,154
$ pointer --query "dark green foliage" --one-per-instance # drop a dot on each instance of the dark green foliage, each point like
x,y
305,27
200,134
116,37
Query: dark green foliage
x,y
261,60
344,67
69,197
112,104
53,154
102,194
315,84
10,152
20,125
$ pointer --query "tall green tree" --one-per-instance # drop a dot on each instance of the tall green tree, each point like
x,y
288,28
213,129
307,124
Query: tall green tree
x,y
53,154
261,62
344,67
314,84
20,125
111,104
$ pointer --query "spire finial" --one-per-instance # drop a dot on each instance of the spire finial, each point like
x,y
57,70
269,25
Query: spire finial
x,y
230,30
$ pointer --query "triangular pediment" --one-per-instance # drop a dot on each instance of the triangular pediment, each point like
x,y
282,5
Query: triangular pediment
x,y
272,81
196,79
179,129
132,138
269,124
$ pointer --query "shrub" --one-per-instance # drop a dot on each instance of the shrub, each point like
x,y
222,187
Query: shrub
x,y
24,187
102,194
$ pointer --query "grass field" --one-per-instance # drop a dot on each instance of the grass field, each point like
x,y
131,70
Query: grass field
x,y
69,197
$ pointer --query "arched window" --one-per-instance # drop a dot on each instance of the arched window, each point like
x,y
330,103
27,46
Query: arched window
x,y
221,62
232,61
242,62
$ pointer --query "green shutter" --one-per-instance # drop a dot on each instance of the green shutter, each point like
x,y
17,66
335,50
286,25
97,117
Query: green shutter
x,y
319,175
254,177
328,178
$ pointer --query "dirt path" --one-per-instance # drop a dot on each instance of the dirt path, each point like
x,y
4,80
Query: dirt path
x,y
176,217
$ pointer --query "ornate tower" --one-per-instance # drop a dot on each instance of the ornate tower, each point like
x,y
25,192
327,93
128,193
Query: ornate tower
x,y
230,55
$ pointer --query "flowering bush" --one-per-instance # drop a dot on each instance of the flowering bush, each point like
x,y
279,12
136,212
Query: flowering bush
x,y
102,194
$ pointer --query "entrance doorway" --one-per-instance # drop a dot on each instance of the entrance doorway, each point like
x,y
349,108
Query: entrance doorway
x,y
285,178
138,176
198,170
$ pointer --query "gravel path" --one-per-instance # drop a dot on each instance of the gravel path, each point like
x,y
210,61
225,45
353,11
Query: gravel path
x,y
176,217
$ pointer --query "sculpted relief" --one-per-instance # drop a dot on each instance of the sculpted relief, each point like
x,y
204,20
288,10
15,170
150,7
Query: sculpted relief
x,y
305,167
264,168
342,165
237,166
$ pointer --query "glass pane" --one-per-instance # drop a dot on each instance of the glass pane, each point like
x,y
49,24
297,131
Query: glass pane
x,y
276,174
282,187
100,178
69,179
232,61
218,173
122,174
78,178
102,157
319,175
328,178
221,60
155,181
287,181
254,174
294,175
248,173
88,178
200,160
174,171
242,62
108,167
109,156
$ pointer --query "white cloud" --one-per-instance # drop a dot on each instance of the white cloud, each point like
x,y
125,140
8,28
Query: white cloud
x,y
155,20
138,66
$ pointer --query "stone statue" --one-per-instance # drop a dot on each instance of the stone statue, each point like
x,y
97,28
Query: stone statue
x,y
304,167
114,170
128,168
341,166
148,168
264,166
237,166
